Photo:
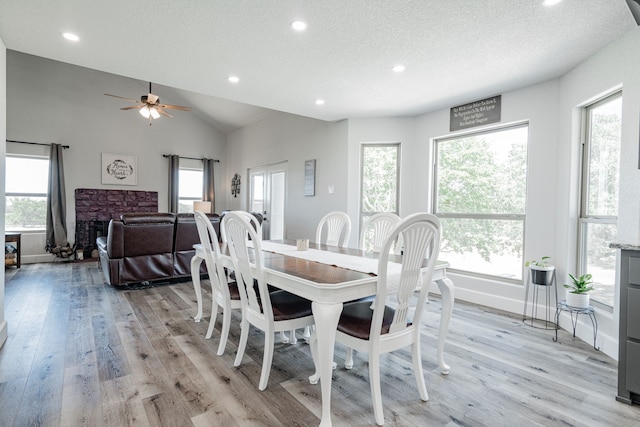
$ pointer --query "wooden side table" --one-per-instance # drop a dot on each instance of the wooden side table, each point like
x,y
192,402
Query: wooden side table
x,y
12,258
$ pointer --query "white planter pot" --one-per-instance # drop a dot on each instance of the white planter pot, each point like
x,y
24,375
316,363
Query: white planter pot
x,y
578,300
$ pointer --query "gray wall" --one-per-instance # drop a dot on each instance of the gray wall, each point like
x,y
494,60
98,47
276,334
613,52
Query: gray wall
x,y
50,101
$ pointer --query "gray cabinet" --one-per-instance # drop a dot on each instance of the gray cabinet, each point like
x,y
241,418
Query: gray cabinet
x,y
629,339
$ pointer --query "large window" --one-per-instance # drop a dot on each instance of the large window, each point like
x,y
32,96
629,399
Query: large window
x,y
26,192
479,195
379,179
190,188
599,201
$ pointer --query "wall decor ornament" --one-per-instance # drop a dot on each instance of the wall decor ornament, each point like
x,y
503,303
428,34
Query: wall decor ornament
x,y
119,169
235,185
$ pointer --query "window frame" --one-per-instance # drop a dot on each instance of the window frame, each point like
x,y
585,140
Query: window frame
x,y
584,219
502,217
23,194
189,198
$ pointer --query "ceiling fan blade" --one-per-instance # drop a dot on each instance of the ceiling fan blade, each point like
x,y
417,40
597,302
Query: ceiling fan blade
x,y
133,107
162,112
174,107
122,97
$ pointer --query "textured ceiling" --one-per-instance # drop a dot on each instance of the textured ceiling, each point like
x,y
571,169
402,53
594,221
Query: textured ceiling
x,y
455,51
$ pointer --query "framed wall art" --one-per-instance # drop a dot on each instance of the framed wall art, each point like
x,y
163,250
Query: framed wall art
x,y
310,177
119,169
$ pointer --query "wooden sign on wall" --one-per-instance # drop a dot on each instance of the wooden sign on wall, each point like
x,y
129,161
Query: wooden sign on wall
x,y
476,113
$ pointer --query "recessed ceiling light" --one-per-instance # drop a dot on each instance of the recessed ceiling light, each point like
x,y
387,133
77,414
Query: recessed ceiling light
x,y
233,79
398,68
319,101
299,25
551,2
70,36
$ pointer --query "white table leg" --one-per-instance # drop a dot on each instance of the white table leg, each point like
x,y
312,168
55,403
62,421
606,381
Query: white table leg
x,y
195,278
326,319
447,291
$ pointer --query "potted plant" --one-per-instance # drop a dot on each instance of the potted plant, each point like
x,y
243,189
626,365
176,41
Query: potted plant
x,y
578,291
541,271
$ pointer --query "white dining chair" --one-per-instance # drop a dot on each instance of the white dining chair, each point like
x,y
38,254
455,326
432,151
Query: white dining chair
x,y
224,294
268,311
379,327
338,226
375,231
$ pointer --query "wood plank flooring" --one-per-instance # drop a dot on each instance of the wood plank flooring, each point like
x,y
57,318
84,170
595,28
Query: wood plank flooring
x,y
82,353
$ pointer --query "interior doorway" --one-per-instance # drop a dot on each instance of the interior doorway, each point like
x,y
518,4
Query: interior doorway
x,y
267,195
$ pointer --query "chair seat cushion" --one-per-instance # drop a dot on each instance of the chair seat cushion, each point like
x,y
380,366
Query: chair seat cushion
x,y
356,318
289,306
234,292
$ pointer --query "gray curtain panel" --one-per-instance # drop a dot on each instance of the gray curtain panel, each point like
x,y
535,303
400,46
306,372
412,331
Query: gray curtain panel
x,y
208,189
174,167
56,231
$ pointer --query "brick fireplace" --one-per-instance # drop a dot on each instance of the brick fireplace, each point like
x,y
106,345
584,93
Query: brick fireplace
x,y
95,208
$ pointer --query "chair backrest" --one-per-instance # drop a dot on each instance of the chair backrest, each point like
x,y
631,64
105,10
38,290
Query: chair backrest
x,y
377,229
338,224
241,236
255,221
213,258
421,233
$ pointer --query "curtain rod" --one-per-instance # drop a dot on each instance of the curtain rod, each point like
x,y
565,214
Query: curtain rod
x,y
34,143
190,158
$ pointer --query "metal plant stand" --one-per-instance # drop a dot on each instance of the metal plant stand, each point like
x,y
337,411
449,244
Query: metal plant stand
x,y
562,306
550,293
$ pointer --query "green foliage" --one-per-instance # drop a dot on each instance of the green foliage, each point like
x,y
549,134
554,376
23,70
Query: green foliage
x,y
27,212
542,262
379,178
480,176
580,285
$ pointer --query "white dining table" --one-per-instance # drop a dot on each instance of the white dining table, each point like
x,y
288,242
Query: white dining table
x,y
328,287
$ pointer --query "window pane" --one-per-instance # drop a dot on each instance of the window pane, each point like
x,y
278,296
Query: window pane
x,y
604,158
483,173
257,198
485,246
185,206
26,213
27,175
601,261
379,178
190,184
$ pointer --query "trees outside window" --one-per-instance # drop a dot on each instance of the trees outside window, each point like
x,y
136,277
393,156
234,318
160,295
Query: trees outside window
x,y
26,193
479,196
599,195
380,172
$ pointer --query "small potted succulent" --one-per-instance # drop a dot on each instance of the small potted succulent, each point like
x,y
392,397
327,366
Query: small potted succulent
x,y
578,291
541,271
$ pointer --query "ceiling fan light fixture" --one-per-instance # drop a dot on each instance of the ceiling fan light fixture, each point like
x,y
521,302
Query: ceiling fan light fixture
x,y
154,113
144,112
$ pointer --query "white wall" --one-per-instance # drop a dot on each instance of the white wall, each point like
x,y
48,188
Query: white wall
x,y
286,137
50,101
3,131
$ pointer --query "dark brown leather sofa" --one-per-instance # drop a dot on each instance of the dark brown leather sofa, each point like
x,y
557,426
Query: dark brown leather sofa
x,y
143,247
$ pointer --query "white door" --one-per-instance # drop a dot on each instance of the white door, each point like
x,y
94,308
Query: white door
x,y
267,194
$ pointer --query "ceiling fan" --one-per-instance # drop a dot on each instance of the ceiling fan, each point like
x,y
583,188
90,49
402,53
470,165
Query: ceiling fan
x,y
150,107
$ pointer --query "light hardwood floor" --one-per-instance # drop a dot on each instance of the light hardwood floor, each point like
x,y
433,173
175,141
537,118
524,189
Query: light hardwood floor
x,y
80,352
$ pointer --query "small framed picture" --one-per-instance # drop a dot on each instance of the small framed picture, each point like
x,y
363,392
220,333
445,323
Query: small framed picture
x,y
310,177
119,169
